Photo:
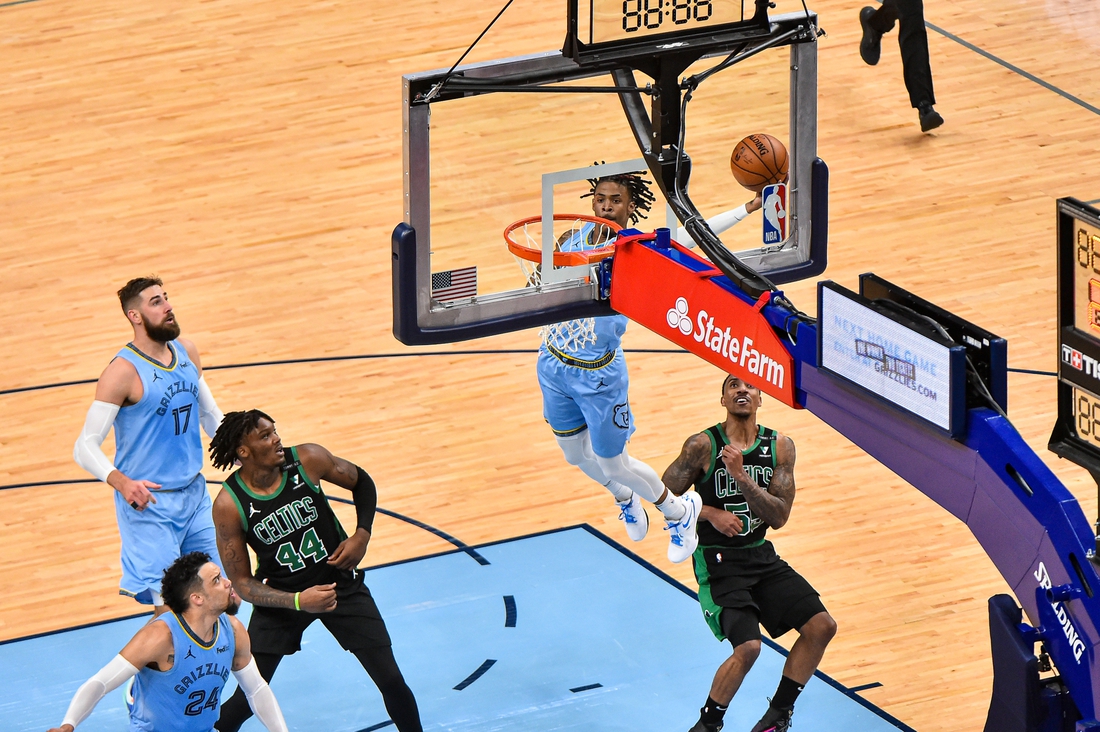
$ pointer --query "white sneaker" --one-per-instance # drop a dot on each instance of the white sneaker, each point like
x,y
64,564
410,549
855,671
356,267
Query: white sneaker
x,y
682,539
632,513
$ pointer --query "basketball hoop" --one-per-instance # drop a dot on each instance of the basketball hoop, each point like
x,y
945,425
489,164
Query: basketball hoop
x,y
579,241
577,236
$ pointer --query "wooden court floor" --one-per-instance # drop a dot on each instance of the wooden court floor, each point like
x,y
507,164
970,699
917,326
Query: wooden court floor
x,y
250,154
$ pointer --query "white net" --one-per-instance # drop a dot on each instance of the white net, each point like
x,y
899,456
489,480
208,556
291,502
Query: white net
x,y
570,235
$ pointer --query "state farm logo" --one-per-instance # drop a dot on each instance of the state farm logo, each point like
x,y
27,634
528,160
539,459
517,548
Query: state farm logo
x,y
723,342
678,316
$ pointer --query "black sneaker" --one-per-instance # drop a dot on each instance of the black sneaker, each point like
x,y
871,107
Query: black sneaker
x,y
775,720
701,727
870,48
930,119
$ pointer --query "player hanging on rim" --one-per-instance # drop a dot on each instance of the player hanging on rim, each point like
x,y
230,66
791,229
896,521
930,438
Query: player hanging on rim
x,y
745,475
583,376
202,602
306,564
155,397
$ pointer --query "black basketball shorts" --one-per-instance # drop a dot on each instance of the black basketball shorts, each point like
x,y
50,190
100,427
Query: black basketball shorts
x,y
355,623
742,589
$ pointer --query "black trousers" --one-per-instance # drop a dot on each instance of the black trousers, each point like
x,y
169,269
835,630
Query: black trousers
x,y
913,39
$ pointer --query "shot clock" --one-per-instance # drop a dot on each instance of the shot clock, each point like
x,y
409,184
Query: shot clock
x,y
1076,435
601,29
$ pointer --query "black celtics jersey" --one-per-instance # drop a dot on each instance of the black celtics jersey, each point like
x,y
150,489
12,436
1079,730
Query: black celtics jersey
x,y
718,489
293,530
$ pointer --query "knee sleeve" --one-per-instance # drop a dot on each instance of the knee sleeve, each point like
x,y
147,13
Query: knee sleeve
x,y
634,474
578,451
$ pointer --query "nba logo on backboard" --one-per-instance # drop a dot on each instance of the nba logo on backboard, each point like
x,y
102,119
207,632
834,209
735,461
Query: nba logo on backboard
x,y
774,202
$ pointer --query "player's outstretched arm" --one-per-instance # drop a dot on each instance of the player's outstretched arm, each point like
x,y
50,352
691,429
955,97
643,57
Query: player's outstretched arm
x,y
721,222
234,555
118,386
151,645
773,506
210,416
259,694
321,463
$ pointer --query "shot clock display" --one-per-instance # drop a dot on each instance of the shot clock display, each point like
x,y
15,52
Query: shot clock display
x,y
613,19
600,26
1076,435
1086,416
1086,277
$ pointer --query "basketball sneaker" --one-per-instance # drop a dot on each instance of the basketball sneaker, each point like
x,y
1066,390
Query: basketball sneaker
x,y
682,538
633,515
775,720
701,726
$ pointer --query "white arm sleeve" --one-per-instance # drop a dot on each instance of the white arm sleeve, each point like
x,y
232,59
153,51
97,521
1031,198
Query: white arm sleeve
x,y
260,697
87,452
718,224
209,414
109,678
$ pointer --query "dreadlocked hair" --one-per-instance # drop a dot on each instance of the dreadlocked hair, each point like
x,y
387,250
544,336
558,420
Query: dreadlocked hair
x,y
638,187
230,434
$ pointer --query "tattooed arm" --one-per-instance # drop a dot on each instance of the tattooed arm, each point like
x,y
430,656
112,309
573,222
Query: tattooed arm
x,y
773,506
692,463
234,555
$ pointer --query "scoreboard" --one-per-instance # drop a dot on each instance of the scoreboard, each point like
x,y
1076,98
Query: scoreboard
x,y
1076,435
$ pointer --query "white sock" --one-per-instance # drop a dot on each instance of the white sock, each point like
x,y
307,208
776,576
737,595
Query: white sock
x,y
621,492
673,507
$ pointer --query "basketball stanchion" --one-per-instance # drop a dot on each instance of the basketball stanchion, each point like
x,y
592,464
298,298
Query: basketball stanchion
x,y
887,376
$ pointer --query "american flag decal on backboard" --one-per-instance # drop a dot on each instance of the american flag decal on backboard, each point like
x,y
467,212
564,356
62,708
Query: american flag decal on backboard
x,y
454,284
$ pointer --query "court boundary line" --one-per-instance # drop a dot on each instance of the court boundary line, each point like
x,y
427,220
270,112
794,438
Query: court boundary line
x,y
1013,68
644,563
378,356
333,359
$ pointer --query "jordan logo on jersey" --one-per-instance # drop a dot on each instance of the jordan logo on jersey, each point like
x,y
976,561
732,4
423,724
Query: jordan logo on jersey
x,y
252,510
156,376
189,653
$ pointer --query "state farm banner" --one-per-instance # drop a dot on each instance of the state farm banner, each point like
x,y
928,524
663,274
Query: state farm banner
x,y
690,310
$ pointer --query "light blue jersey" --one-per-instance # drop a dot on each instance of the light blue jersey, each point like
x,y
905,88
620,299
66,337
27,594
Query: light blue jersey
x,y
584,382
608,329
184,698
158,438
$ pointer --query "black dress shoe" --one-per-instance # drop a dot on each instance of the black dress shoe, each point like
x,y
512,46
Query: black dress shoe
x,y
930,119
870,47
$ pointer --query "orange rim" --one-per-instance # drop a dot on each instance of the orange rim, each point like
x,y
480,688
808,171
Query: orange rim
x,y
561,259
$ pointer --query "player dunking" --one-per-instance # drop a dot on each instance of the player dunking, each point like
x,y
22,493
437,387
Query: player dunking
x,y
584,385
745,475
202,603
154,395
306,563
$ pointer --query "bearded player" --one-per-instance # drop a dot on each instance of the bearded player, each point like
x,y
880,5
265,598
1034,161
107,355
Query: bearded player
x,y
154,396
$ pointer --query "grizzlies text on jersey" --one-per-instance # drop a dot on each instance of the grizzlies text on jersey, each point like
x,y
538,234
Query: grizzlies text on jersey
x,y
158,438
184,698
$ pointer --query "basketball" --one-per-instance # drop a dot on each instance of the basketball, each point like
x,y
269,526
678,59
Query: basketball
x,y
758,161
